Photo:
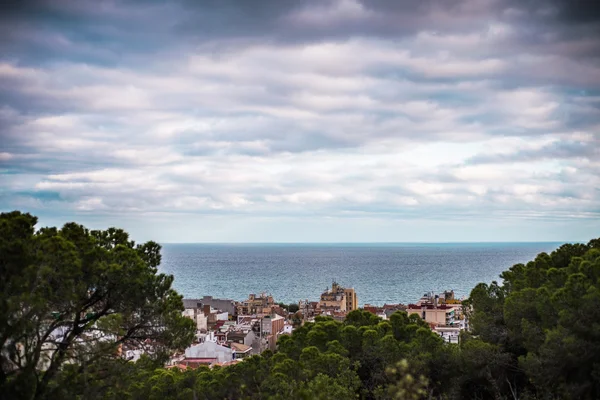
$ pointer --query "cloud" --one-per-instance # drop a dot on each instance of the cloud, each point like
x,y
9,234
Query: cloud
x,y
440,111
586,148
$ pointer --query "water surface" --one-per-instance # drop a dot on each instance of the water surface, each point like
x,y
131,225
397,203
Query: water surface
x,y
380,273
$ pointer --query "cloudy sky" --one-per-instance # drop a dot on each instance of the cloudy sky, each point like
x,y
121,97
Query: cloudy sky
x,y
310,121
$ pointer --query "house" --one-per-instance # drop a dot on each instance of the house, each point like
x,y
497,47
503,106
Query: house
x,y
449,334
265,328
246,337
241,350
287,329
206,318
439,311
208,351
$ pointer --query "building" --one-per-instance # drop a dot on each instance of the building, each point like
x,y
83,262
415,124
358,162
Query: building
x,y
439,311
351,299
308,308
242,337
334,299
208,351
225,305
449,334
287,329
272,324
241,350
205,317
379,311
265,329
441,315
262,304
338,299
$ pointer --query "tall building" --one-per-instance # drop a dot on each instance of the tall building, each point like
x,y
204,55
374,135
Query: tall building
x,y
351,299
338,299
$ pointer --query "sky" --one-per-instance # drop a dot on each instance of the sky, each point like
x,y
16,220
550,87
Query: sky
x,y
304,121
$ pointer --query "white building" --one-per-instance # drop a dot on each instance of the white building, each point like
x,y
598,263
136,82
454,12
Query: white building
x,y
209,350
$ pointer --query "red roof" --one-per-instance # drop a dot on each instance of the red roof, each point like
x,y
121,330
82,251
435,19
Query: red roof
x,y
193,363
394,306
198,360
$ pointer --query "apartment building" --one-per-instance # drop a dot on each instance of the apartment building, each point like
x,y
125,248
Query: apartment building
x,y
262,304
338,299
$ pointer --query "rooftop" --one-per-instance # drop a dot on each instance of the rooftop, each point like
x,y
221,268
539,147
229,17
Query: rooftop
x,y
239,347
430,307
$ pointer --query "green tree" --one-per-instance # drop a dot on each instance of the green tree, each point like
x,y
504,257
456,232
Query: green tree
x,y
293,308
77,297
404,385
539,331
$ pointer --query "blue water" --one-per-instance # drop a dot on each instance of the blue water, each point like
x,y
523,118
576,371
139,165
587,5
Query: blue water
x,y
380,273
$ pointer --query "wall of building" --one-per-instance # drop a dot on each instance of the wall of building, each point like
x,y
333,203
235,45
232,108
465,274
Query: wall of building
x,y
201,322
227,305
197,316
272,324
436,316
224,316
433,315
209,350
351,299
250,338
337,302
256,305
277,323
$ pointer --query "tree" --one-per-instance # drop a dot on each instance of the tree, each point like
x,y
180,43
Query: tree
x,y
403,386
538,332
77,297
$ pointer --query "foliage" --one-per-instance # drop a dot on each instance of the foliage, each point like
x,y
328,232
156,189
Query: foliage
x,y
403,386
291,308
535,335
71,298
541,327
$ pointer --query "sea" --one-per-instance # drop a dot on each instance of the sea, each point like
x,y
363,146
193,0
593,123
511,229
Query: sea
x,y
379,272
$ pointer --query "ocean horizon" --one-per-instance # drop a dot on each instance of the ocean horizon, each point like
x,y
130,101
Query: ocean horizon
x,y
383,272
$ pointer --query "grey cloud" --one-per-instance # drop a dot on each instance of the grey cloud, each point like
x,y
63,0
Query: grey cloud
x,y
567,11
227,107
556,150
119,27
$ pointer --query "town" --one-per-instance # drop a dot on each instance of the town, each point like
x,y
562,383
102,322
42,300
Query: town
x,y
227,331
